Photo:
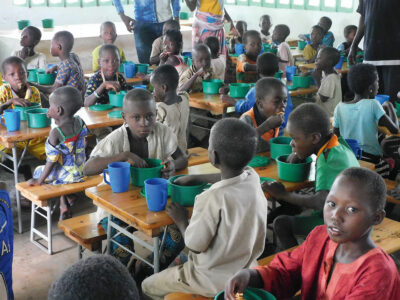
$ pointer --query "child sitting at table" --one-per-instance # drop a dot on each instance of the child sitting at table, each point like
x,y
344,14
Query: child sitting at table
x,y
221,236
359,119
218,61
172,108
246,69
158,45
69,70
30,37
328,39
349,34
140,137
172,51
108,34
279,35
327,79
265,25
338,260
310,129
191,80
311,50
267,115
65,146
241,27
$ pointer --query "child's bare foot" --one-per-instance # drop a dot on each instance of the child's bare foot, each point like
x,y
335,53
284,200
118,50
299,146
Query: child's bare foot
x,y
71,199
65,213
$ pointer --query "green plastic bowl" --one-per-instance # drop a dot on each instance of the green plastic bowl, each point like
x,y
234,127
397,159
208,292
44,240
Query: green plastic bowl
x,y
23,109
48,23
293,172
250,294
184,195
238,90
280,146
183,15
23,23
301,82
116,99
32,77
142,68
301,45
278,74
46,79
139,175
37,118
271,50
398,109
211,86
266,46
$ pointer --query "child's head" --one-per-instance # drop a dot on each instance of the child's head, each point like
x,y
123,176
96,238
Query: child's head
x,y
201,57
62,42
108,33
171,25
327,58
30,36
325,23
363,80
213,43
349,33
164,79
241,27
267,64
317,35
271,96
355,203
252,43
109,60
308,126
14,71
173,41
64,102
265,23
93,278
232,144
280,33
139,112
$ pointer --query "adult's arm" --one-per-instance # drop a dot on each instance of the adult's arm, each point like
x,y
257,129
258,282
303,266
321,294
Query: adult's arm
x,y
129,22
176,8
357,39
191,4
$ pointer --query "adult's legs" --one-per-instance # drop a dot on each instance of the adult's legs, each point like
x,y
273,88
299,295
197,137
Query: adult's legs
x,y
145,34
389,78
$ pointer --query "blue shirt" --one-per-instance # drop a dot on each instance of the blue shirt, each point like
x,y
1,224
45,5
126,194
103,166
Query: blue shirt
x,y
150,11
245,105
6,244
327,40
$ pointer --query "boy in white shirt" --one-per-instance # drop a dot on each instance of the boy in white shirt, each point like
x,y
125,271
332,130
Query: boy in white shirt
x,y
218,62
281,32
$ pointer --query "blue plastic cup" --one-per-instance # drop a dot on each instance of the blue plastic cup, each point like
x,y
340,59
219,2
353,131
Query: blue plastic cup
x,y
120,175
290,71
187,54
156,193
129,70
239,49
355,147
12,119
382,98
339,64
140,86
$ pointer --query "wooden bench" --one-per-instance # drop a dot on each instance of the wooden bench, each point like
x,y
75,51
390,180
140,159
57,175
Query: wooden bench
x,y
197,156
41,197
85,231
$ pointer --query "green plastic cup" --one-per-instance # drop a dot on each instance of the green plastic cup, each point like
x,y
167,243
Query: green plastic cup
x,y
23,109
37,118
293,172
116,99
301,45
211,86
184,194
23,23
278,74
301,82
238,90
280,146
48,23
139,175
46,79
32,75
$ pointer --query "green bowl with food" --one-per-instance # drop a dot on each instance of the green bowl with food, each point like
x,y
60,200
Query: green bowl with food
x,y
293,172
116,99
37,118
139,175
280,146
185,194
46,79
301,81
211,86
238,90
24,109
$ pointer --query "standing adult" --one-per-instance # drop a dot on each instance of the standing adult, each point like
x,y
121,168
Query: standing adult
x,y
380,26
149,18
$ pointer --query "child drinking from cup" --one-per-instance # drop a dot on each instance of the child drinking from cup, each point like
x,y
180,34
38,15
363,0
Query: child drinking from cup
x,y
172,51
158,45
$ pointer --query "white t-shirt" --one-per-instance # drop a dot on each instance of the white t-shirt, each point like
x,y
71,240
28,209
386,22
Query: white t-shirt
x,y
37,61
331,88
218,66
285,54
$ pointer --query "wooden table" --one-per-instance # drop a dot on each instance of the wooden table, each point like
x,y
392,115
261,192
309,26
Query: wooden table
x,y
307,67
296,53
211,103
303,91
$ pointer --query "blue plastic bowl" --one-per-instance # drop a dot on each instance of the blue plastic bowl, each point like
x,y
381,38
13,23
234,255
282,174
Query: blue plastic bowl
x,y
382,98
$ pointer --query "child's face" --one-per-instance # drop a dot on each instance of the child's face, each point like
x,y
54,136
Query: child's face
x,y
253,46
316,36
158,90
170,46
374,88
52,112
241,27
108,34
55,48
302,144
265,24
140,117
273,104
278,36
27,39
348,215
166,27
202,59
350,37
322,61
324,24
16,75
109,63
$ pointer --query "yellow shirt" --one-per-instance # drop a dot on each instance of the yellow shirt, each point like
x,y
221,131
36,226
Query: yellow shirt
x,y
96,55
309,52
6,94
214,7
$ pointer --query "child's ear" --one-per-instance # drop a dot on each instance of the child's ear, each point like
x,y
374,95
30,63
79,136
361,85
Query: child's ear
x,y
379,216
316,137
60,110
214,159
123,116
165,88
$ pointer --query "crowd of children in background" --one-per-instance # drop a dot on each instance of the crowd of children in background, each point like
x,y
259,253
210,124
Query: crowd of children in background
x,y
221,237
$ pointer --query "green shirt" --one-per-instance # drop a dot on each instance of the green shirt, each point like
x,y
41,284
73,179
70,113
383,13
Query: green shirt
x,y
95,57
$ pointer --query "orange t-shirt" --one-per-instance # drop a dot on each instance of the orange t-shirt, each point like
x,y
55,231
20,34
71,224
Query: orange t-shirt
x,y
267,135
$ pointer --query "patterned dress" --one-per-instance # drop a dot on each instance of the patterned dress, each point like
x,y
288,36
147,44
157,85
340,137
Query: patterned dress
x,y
69,157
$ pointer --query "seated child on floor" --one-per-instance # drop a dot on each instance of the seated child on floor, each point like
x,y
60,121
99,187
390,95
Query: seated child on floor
x,y
327,79
218,62
338,260
158,45
191,80
221,237
359,119
267,115
171,54
279,35
172,108
311,50
30,37
349,33
328,39
65,146
246,69
139,138
108,34
241,27
265,26
310,129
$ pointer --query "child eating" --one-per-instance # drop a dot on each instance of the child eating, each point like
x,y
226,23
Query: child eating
x,y
328,39
158,45
338,260
281,32
267,115
65,146
241,28
221,236
218,62
349,34
172,108
265,25
311,50
108,34
30,37
246,69
172,51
